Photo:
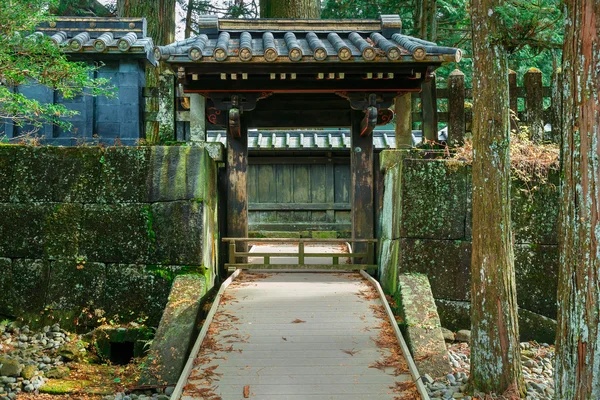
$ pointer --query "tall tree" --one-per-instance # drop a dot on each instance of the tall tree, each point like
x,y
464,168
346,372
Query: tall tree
x,y
160,15
84,8
290,9
495,356
577,373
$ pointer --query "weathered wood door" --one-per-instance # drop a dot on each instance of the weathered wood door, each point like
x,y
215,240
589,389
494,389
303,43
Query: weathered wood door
x,y
299,194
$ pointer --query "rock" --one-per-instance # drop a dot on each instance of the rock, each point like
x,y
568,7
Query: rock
x,y
463,335
28,388
71,352
425,378
28,371
451,379
47,360
162,397
448,335
169,390
55,328
10,367
58,372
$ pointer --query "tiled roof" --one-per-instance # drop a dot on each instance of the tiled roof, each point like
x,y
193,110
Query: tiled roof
x,y
303,41
310,139
93,35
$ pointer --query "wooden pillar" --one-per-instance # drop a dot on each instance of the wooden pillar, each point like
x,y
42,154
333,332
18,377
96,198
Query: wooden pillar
x,y
429,105
361,164
403,110
512,91
197,118
534,104
236,171
456,108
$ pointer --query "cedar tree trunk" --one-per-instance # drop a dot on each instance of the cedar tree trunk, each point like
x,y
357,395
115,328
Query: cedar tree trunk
x,y
160,15
290,9
577,373
495,356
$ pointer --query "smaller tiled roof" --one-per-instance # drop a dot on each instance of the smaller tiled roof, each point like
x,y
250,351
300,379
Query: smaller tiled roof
x,y
303,41
96,36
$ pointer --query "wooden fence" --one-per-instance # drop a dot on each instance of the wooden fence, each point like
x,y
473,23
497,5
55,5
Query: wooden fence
x,y
454,111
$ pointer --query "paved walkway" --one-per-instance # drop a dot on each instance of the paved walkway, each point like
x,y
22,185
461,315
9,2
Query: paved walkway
x,y
300,336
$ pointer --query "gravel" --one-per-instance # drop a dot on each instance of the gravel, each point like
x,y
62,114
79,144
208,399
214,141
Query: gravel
x,y
537,360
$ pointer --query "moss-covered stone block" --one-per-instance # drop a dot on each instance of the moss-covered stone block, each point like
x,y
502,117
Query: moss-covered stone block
x,y
112,233
456,315
177,330
7,163
126,174
388,265
6,282
536,271
422,325
178,232
26,287
75,284
447,264
22,229
62,230
324,234
179,173
433,199
391,212
134,292
534,208
57,174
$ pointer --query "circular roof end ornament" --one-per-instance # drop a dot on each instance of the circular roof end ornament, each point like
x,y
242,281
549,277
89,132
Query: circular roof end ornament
x,y
393,54
194,53
271,55
220,54
419,53
369,54
245,54
320,54
295,54
344,54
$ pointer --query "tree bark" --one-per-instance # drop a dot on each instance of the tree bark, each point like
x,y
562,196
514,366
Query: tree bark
x,y
495,356
290,9
577,373
159,14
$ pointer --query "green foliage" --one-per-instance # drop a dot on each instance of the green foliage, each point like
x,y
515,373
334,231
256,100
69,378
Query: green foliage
x,y
29,58
531,31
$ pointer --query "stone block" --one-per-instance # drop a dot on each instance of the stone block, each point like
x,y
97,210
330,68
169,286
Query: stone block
x,y
180,173
57,174
22,229
125,174
177,228
536,271
6,283
75,284
388,265
447,264
126,65
133,291
8,156
456,315
130,95
391,213
112,233
110,130
433,199
422,325
62,230
534,210
28,286
177,330
129,79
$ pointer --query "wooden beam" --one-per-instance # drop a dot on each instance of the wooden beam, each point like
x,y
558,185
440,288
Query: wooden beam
x,y
237,199
361,164
403,109
429,106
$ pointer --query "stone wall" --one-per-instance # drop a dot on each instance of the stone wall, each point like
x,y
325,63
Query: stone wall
x,y
100,119
90,232
426,228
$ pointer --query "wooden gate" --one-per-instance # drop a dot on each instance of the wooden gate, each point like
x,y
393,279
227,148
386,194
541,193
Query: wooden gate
x,y
299,194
